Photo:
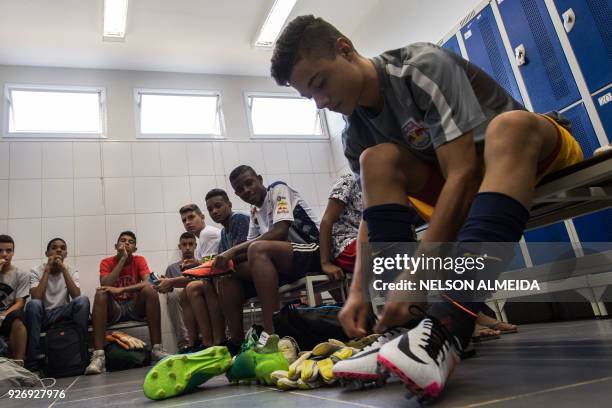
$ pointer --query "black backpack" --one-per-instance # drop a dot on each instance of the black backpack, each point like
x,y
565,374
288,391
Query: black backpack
x,y
310,326
65,349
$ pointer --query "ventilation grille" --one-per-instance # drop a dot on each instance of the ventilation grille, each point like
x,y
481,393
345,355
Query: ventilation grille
x,y
494,54
541,37
600,9
467,18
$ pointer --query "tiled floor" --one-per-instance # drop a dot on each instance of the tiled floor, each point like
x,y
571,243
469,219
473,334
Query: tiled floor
x,y
546,365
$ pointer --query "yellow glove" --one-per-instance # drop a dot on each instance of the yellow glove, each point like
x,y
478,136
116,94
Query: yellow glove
x,y
132,342
112,339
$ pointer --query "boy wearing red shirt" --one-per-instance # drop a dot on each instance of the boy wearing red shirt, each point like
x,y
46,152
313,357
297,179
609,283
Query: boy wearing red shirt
x,y
124,294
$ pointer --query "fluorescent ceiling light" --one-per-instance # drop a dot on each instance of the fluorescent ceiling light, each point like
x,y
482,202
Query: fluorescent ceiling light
x,y
115,17
270,30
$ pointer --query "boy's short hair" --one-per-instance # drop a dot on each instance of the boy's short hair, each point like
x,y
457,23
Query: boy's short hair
x,y
304,36
6,239
191,208
56,239
187,235
239,170
128,233
215,192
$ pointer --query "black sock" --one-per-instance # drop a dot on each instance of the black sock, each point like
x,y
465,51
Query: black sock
x,y
390,223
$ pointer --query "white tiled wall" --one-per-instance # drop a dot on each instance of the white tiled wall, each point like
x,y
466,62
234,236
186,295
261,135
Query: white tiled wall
x,y
88,191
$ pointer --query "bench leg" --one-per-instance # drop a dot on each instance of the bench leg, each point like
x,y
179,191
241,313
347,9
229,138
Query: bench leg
x,y
310,292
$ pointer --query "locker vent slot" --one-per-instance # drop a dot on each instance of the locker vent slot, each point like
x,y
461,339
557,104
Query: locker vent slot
x,y
601,12
494,54
545,48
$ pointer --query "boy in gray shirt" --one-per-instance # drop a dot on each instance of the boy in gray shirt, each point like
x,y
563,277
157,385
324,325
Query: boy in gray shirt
x,y
14,285
54,287
430,130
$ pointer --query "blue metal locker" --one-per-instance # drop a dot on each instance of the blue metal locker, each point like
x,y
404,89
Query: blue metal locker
x,y
603,103
453,45
555,233
485,48
545,70
591,38
596,227
582,129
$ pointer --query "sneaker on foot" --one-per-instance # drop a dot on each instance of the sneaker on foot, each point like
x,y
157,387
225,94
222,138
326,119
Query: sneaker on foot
x,y
97,364
423,357
181,373
362,367
158,353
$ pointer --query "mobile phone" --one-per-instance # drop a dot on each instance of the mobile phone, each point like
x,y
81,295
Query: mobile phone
x,y
153,279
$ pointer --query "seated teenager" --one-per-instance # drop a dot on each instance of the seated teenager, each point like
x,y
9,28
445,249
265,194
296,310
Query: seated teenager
x,y
234,232
199,301
55,295
339,227
124,294
283,240
187,245
14,290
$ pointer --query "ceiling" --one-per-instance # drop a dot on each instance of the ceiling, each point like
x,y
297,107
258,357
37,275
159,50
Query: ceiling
x,y
198,36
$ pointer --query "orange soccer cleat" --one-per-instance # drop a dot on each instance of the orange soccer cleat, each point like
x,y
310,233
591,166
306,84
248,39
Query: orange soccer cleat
x,y
206,270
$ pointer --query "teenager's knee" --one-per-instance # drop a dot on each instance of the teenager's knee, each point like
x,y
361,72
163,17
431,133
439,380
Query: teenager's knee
x,y
101,298
81,302
514,132
382,159
34,308
194,288
257,250
149,292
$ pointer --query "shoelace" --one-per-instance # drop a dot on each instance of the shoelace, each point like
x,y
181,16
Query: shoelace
x,y
439,339
382,339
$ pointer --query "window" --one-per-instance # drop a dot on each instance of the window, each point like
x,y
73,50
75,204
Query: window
x,y
281,115
52,111
163,113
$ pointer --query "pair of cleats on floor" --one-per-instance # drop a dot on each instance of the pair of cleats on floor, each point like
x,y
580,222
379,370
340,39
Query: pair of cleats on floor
x,y
179,374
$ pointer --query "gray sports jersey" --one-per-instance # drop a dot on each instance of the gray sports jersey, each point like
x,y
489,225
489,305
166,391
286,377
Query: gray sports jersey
x,y
432,97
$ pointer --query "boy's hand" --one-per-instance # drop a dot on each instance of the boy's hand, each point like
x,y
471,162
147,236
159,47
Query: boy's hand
x,y
221,261
2,263
165,285
333,271
189,263
354,314
121,251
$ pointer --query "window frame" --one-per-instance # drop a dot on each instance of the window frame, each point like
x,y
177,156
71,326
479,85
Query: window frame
x,y
320,112
178,92
7,109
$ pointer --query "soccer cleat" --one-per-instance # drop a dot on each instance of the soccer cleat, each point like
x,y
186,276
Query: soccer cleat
x,y
423,357
258,363
206,270
182,373
361,369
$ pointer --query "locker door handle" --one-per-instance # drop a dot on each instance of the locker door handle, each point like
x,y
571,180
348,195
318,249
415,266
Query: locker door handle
x,y
520,55
569,19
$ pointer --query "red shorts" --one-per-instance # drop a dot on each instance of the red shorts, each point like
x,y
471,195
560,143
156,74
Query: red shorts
x,y
346,259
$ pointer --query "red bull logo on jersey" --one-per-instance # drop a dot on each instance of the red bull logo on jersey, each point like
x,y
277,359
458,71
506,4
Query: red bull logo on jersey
x,y
416,135
282,206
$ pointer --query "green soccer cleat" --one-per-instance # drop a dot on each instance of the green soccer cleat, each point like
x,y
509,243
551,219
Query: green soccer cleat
x,y
258,363
182,373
